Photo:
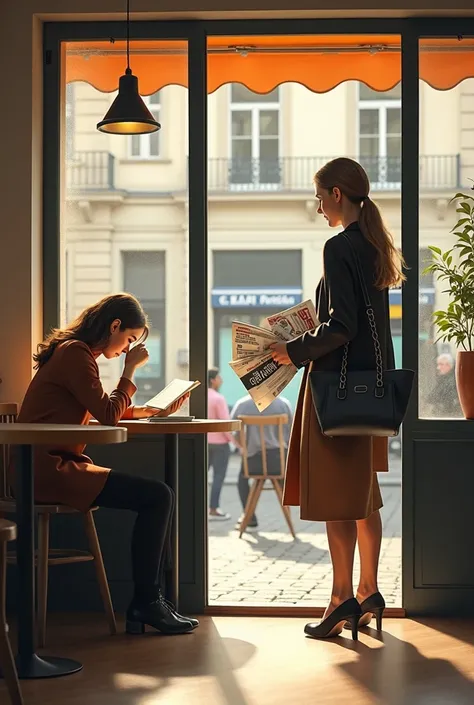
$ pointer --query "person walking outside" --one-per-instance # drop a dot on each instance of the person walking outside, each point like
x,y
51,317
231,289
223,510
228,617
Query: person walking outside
x,y
218,448
443,399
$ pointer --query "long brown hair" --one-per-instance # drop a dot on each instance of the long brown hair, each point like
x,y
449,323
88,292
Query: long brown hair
x,y
92,326
353,182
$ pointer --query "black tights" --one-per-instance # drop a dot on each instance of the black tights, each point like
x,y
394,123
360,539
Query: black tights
x,y
154,503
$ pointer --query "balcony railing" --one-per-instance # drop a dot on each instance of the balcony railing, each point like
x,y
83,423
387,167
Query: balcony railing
x,y
295,174
91,171
94,171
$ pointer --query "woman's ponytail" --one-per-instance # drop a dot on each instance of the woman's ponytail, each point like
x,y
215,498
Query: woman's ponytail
x,y
350,177
389,262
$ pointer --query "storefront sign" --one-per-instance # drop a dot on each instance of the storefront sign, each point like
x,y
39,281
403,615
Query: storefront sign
x,y
250,297
256,298
426,297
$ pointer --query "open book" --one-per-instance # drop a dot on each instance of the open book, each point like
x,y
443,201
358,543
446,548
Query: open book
x,y
252,361
171,393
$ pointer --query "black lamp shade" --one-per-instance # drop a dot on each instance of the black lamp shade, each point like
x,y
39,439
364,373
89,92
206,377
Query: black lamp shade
x,y
128,114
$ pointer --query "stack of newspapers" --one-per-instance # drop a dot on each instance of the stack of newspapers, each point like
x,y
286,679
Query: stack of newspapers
x,y
252,361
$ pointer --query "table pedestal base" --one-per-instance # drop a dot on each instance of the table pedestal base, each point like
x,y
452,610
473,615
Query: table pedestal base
x,y
171,479
48,667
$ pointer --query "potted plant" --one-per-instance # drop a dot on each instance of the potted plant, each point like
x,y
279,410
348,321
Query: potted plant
x,y
455,268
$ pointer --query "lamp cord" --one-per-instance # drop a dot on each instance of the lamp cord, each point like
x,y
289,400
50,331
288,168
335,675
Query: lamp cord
x,y
128,36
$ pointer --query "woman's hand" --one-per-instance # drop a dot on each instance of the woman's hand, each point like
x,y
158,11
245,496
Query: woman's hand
x,y
173,408
136,356
280,354
144,412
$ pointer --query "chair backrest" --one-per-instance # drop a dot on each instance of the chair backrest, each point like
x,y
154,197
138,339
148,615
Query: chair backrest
x,y
8,414
7,531
279,420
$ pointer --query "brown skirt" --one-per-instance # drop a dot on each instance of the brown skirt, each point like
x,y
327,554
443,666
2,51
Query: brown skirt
x,y
331,479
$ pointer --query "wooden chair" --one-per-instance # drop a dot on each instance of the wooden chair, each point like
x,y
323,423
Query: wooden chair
x,y
7,662
279,420
47,556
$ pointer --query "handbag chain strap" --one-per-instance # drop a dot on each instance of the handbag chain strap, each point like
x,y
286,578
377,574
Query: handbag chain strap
x,y
379,392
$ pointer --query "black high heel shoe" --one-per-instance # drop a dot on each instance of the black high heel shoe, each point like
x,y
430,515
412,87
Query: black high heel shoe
x,y
373,605
157,614
349,611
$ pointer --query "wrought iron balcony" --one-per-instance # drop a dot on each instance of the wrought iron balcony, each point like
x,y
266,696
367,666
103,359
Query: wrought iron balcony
x,y
91,171
94,171
295,174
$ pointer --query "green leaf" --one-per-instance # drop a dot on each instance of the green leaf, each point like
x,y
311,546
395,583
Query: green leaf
x,y
461,222
455,268
458,196
464,208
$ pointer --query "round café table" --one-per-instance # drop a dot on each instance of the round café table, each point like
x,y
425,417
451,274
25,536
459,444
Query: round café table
x,y
25,436
172,428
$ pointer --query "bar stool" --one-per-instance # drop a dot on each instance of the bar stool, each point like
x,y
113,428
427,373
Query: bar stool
x,y
46,556
7,663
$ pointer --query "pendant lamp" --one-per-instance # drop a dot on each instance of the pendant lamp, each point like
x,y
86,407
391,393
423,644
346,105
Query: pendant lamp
x,y
128,114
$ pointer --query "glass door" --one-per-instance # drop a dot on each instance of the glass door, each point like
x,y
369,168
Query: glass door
x,y
126,213
280,107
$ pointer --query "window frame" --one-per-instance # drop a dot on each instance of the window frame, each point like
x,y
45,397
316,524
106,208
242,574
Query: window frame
x,y
144,140
381,106
70,117
254,108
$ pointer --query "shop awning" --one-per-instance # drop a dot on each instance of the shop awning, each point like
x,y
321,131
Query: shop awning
x,y
261,63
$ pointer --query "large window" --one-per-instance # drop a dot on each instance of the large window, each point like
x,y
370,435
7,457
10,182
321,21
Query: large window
x,y
380,136
118,228
255,138
148,146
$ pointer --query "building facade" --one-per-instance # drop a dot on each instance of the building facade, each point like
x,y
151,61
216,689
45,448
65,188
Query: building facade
x,y
125,215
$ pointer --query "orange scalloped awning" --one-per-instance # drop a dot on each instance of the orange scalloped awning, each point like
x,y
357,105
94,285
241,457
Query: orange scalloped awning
x,y
261,63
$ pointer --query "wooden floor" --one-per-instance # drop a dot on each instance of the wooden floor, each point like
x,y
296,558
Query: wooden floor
x,y
261,661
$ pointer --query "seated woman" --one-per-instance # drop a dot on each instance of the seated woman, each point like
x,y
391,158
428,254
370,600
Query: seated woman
x,y
67,389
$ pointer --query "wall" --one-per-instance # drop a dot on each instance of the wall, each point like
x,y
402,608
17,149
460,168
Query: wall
x,y
315,116
21,136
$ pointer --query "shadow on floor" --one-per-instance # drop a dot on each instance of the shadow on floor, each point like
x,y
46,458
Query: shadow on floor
x,y
126,670
397,673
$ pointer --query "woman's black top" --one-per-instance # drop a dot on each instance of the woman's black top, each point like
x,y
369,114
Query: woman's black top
x,y
342,313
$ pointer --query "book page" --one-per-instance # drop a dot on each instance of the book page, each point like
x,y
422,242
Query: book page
x,y
171,393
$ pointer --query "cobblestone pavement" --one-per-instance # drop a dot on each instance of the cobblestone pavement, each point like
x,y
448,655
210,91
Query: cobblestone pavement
x,y
269,567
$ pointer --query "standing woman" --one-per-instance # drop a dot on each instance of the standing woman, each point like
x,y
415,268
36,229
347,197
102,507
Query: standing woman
x,y
334,479
67,390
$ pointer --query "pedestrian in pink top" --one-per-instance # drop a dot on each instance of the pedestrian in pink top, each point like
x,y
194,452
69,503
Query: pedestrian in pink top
x,y
219,449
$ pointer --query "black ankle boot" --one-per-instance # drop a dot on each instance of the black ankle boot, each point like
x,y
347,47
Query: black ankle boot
x,y
194,622
157,614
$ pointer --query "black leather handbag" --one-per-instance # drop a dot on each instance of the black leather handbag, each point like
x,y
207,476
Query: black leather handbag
x,y
366,402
